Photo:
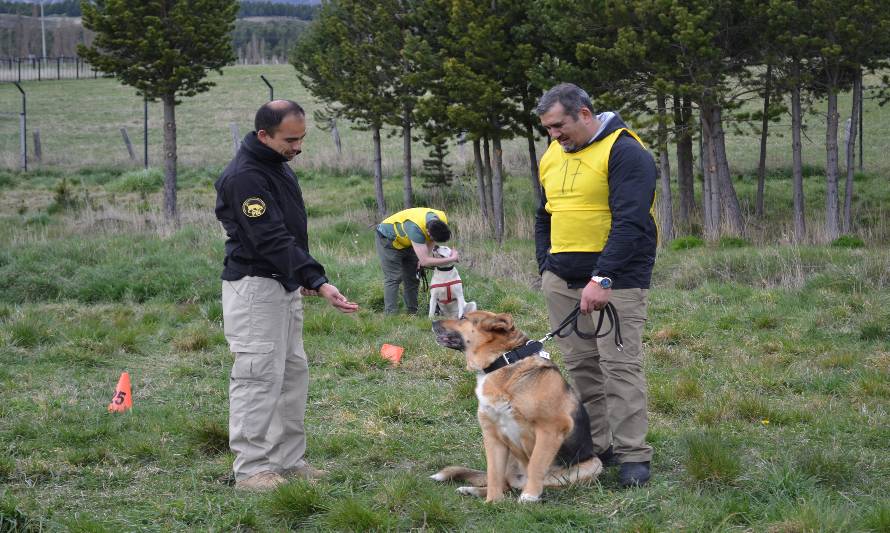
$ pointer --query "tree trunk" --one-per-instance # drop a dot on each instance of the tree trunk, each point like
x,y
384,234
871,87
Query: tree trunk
x,y
378,175
832,228
685,174
497,188
665,200
408,193
533,162
764,131
851,153
709,203
800,226
489,202
480,181
170,210
731,212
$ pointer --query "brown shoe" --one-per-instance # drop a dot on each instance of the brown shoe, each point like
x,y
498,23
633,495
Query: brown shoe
x,y
303,470
262,482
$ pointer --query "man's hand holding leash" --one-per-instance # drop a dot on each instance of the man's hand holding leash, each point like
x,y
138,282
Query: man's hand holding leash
x,y
594,297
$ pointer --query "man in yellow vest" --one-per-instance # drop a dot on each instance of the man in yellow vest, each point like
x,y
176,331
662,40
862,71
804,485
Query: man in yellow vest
x,y
595,240
405,242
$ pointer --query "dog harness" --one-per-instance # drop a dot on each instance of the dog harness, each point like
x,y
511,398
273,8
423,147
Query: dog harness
x,y
448,298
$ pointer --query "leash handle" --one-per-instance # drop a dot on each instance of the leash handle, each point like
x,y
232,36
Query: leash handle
x,y
608,311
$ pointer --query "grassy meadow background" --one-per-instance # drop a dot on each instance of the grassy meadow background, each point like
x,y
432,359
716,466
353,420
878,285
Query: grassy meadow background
x,y
768,364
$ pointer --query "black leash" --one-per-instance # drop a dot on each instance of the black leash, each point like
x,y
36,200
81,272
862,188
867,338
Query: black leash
x,y
609,311
424,279
536,347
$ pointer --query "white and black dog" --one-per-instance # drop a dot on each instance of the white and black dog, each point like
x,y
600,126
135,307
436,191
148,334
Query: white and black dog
x,y
447,290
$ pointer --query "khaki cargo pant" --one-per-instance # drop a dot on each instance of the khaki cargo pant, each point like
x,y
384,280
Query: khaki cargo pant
x,y
611,383
269,381
399,266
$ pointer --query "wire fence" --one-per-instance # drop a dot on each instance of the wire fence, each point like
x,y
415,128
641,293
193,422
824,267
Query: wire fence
x,y
17,69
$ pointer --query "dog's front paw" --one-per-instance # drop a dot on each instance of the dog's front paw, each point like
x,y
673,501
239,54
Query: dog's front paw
x,y
528,498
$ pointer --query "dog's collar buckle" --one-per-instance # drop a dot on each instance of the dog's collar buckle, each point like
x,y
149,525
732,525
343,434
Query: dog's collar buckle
x,y
517,354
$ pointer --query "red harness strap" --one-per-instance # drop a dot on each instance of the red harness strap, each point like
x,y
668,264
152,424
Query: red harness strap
x,y
447,286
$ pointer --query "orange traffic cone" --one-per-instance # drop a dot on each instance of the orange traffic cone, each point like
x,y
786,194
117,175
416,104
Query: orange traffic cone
x,y
392,353
123,397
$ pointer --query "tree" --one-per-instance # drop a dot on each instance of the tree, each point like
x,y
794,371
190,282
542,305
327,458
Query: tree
x,y
164,49
353,58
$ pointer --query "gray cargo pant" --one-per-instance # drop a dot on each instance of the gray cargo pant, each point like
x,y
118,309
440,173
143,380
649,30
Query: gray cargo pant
x,y
269,381
610,383
399,266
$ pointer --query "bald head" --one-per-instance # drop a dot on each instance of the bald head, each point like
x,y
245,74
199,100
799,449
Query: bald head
x,y
270,115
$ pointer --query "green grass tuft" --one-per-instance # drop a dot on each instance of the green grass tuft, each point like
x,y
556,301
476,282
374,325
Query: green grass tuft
x,y
299,500
354,514
733,242
848,241
833,467
875,330
138,181
711,458
686,243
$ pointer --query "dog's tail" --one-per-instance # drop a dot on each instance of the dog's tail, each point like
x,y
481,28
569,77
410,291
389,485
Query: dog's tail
x,y
476,478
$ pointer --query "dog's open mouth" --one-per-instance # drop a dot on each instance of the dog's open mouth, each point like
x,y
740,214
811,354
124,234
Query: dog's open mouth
x,y
448,338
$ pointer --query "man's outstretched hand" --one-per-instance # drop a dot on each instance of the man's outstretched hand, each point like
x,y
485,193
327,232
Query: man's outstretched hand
x,y
337,300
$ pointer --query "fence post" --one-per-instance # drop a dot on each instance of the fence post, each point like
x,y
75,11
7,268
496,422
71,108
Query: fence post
x,y
19,63
271,90
128,143
58,68
23,128
76,68
39,70
38,150
236,137
145,128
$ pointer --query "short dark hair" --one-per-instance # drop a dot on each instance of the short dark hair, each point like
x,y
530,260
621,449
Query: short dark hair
x,y
439,230
270,115
572,98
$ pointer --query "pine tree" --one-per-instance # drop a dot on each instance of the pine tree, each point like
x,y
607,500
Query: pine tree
x,y
164,49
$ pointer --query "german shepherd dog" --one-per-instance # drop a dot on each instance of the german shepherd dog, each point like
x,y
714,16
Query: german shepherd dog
x,y
535,431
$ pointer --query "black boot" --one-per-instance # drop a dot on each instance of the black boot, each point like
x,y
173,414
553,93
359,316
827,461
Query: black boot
x,y
633,474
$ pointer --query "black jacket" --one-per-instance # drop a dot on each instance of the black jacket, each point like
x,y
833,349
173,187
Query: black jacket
x,y
260,205
629,255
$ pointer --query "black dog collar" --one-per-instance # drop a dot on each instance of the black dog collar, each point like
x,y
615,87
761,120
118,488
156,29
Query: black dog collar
x,y
517,354
445,269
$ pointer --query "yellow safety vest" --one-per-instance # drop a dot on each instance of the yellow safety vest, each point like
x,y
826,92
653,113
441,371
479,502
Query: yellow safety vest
x,y
416,215
577,190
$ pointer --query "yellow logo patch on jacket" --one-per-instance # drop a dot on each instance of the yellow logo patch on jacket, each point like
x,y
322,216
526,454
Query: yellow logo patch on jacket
x,y
253,207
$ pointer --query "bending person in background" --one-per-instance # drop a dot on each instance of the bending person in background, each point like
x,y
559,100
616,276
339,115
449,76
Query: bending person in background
x,y
405,242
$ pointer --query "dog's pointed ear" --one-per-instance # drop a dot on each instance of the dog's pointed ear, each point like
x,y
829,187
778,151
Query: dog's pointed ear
x,y
501,322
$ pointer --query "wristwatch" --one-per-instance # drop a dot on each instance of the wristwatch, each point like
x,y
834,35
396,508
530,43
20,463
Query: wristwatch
x,y
603,282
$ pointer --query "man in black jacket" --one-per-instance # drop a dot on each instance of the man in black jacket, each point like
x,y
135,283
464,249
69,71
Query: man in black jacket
x,y
260,205
595,240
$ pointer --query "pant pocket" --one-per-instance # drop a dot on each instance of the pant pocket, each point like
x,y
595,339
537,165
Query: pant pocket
x,y
253,360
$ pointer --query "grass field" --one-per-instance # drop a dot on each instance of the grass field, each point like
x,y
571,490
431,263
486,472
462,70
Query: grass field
x,y
79,122
768,365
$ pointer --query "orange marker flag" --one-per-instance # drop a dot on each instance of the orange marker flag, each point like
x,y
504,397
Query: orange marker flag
x,y
392,353
123,397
